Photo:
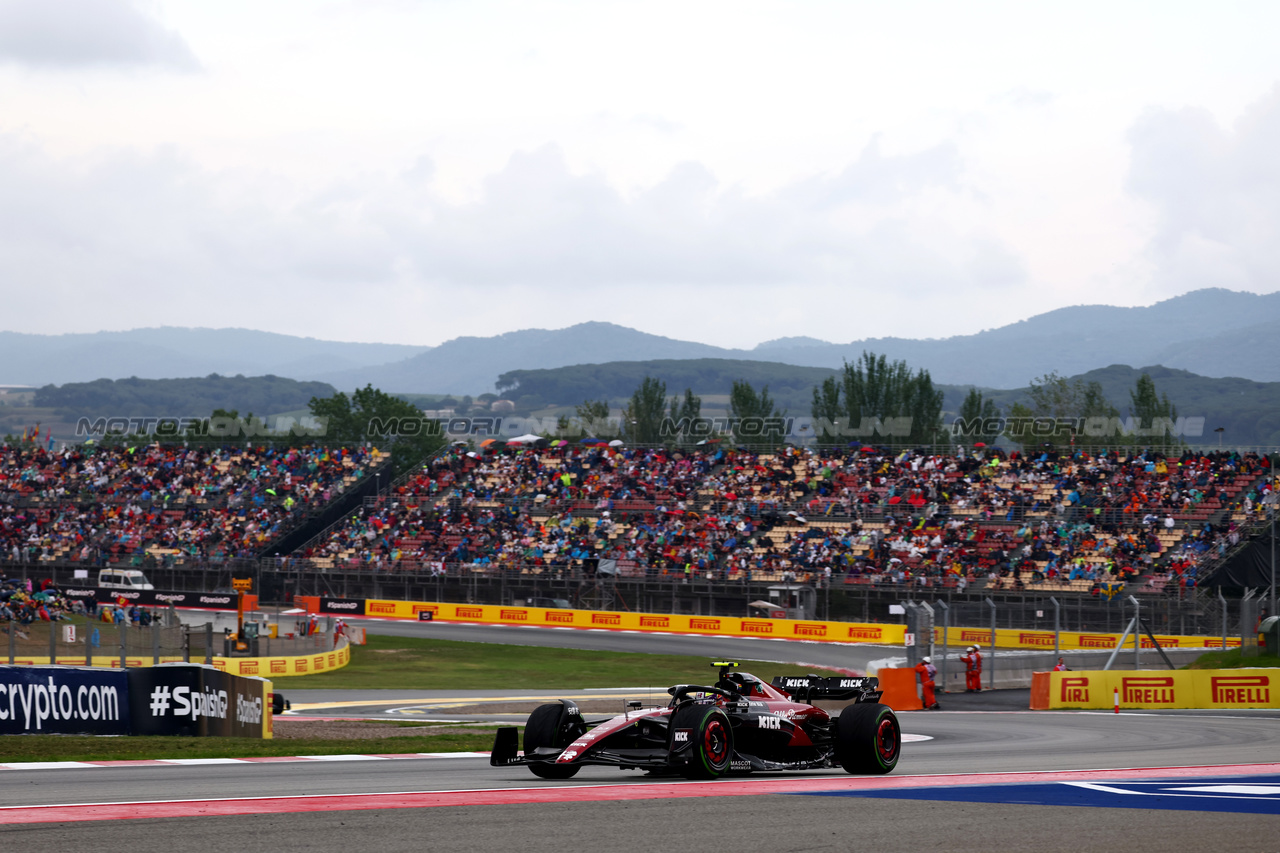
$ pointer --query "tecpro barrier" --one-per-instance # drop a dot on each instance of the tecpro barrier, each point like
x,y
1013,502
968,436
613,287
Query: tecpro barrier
x,y
172,699
734,626
1155,689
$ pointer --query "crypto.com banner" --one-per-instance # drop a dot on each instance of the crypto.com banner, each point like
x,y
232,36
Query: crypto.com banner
x,y
63,700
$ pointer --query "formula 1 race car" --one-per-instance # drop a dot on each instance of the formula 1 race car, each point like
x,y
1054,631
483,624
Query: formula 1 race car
x,y
740,724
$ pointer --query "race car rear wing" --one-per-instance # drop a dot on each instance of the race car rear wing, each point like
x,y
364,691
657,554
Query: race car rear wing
x,y
806,688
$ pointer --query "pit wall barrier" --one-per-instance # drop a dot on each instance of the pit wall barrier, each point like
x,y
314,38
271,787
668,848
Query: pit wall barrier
x,y
189,700
278,666
1154,689
734,626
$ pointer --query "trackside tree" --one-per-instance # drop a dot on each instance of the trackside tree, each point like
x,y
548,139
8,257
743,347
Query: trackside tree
x,y
876,401
370,415
643,414
979,420
756,419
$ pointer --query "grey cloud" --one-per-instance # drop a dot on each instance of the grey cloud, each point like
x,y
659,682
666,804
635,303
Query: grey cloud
x,y
1216,194
87,33
92,235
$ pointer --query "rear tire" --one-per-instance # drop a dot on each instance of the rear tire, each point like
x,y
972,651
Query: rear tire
x,y
549,725
710,737
868,739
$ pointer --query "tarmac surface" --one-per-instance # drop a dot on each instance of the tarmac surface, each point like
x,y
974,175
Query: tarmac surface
x,y
983,774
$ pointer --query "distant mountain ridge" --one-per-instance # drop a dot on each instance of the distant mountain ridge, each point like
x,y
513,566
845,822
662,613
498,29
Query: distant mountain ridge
x,y
1213,332
170,351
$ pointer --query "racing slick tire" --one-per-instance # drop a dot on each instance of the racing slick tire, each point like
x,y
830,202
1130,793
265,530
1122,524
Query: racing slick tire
x,y
868,739
550,725
711,740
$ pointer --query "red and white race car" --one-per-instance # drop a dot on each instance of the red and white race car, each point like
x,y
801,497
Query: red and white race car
x,y
739,724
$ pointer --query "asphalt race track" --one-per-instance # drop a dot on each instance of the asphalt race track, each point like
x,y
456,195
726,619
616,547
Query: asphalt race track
x,y
981,781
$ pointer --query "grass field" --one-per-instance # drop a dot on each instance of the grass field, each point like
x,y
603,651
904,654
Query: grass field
x,y
407,663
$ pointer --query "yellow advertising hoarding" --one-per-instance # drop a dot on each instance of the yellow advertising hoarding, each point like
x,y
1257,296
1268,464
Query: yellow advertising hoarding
x,y
1155,689
1013,638
733,626
277,666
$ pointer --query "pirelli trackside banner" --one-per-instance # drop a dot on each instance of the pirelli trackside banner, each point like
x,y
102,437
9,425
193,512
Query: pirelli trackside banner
x,y
278,667
1011,638
734,626
1153,689
788,629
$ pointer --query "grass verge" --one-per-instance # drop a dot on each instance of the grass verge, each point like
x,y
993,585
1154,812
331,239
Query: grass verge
x,y
412,663
14,748
1232,659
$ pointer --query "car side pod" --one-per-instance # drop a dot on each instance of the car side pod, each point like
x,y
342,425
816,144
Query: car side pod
x,y
506,746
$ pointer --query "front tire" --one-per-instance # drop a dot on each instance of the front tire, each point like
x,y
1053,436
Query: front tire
x,y
550,725
868,739
711,740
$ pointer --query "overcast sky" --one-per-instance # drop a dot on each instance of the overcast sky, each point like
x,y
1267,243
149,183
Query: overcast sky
x,y
730,173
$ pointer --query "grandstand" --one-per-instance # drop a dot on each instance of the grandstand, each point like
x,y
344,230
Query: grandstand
x,y
589,518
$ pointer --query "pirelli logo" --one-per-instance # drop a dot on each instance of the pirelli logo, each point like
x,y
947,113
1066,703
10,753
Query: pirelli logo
x,y
279,666
386,607
606,619
655,621
1147,691
809,629
426,608
1217,644
750,627
248,667
470,612
1241,689
1097,641
1075,689
333,660
1035,638
977,636
866,634
510,615
696,624
300,665
560,617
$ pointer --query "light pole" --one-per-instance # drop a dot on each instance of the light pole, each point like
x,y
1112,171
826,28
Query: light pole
x,y
1220,431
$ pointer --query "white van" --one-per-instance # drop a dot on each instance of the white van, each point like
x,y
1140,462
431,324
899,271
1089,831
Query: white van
x,y
123,579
